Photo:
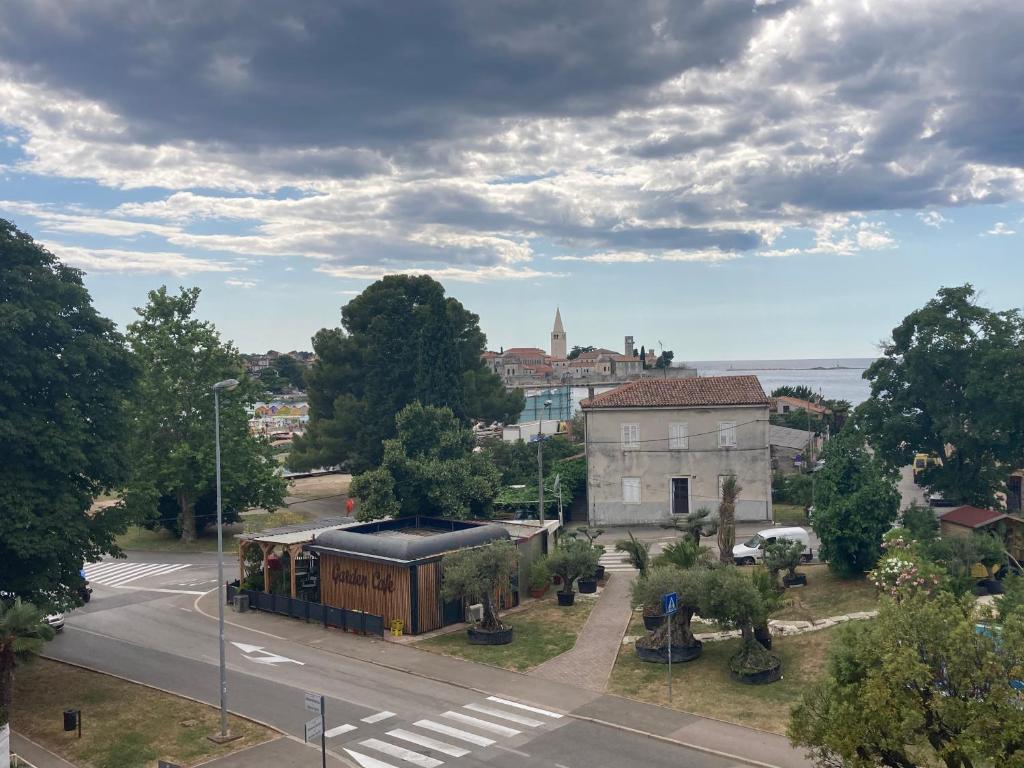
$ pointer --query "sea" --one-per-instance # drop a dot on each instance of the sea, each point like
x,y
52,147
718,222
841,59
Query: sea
x,y
834,378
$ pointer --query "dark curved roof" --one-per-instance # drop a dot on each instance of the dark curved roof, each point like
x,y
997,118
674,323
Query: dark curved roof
x,y
405,548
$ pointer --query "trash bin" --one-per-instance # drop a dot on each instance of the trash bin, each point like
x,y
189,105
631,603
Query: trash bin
x,y
70,719
396,627
241,603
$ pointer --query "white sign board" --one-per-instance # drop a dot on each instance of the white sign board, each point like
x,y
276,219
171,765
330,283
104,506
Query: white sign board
x,y
314,728
314,702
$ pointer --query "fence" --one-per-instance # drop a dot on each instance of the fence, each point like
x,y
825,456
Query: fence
x,y
342,618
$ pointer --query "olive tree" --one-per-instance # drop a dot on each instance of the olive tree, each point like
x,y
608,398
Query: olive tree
x,y
479,575
572,559
661,580
732,599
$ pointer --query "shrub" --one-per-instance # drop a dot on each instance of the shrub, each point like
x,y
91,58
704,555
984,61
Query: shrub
x,y
572,559
782,554
639,553
539,574
920,522
684,554
732,599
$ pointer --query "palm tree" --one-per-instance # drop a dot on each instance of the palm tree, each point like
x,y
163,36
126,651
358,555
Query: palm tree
x,y
727,518
22,634
639,552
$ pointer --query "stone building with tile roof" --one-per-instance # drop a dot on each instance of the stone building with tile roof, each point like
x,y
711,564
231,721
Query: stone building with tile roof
x,y
660,448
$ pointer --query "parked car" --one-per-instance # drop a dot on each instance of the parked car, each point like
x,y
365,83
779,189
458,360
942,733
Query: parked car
x,y
56,621
752,550
936,499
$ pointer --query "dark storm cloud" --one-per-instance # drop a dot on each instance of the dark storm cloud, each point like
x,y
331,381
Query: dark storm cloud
x,y
362,72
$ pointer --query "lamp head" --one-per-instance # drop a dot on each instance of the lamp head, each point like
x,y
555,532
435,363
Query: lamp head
x,y
227,385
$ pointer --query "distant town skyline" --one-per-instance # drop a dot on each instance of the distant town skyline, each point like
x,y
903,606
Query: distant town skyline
x,y
735,178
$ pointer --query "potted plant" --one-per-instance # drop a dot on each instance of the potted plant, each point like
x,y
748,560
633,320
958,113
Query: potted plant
x,y
785,554
648,592
767,586
591,534
989,551
569,561
638,552
732,599
539,576
479,575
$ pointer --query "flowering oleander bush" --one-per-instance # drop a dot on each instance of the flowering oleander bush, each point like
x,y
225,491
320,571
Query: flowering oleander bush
x,y
900,575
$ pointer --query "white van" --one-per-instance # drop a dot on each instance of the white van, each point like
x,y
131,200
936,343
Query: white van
x,y
752,550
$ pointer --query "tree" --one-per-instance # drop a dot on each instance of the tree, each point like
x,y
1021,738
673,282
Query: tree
x,y
732,599
289,369
683,554
920,522
951,382
664,359
66,374
799,391
401,341
727,518
647,593
989,551
480,575
22,634
638,552
857,502
643,357
270,381
694,525
783,554
571,559
429,468
919,685
577,351
171,442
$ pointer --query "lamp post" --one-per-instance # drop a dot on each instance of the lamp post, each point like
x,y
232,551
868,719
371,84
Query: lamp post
x,y
226,386
540,464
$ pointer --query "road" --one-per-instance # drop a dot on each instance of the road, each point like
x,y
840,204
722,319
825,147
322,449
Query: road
x,y
143,624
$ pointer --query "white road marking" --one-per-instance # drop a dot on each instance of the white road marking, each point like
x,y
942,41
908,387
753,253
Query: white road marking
x,y
517,705
166,591
425,741
159,570
117,572
455,733
484,725
493,712
267,657
378,717
402,753
366,761
97,568
338,730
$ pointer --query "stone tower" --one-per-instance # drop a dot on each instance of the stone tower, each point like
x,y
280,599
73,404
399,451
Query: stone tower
x,y
629,347
558,338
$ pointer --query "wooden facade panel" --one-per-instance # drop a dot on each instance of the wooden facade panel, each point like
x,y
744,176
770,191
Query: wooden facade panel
x,y
429,596
380,589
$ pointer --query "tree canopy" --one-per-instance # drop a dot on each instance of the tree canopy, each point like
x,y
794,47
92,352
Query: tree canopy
x,y
664,359
477,575
856,503
66,375
402,340
171,442
429,468
577,351
799,391
918,685
290,370
951,382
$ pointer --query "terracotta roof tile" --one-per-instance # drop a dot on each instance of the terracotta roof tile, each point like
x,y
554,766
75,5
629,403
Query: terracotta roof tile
x,y
972,517
694,392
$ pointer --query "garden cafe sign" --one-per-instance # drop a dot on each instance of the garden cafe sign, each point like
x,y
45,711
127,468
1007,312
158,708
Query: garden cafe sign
x,y
382,582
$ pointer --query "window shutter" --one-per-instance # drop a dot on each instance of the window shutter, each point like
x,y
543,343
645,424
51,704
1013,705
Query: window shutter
x,y
678,437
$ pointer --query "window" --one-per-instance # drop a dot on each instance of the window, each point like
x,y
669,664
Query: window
x,y
630,437
727,434
678,437
631,490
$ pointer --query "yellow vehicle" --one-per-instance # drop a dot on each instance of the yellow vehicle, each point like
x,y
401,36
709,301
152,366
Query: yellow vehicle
x,y
922,461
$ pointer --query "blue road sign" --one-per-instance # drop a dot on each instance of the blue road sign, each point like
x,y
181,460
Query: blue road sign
x,y
669,603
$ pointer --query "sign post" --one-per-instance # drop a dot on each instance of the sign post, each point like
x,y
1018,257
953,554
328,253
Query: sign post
x,y
315,726
669,605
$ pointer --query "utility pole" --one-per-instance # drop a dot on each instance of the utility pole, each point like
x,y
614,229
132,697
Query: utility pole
x,y
540,465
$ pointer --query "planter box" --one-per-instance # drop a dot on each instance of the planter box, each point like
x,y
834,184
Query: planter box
x,y
566,598
758,678
587,586
680,653
485,637
536,593
994,586
651,623
798,580
764,637
599,572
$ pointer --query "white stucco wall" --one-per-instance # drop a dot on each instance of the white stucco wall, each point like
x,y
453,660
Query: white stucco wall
x,y
702,462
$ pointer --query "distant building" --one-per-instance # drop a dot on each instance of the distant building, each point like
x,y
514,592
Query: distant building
x,y
558,338
787,444
787,404
659,448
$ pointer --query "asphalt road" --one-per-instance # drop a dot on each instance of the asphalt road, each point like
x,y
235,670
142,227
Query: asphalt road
x,y
145,628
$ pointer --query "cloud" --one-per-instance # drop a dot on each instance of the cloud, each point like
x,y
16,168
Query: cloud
x,y
1000,228
932,219
232,282
458,274
114,260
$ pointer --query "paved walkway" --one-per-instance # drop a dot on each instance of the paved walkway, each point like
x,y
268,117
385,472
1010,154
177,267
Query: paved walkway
x,y
589,664
36,755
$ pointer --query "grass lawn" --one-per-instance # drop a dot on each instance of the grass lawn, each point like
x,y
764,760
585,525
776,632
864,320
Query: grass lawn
x,y
704,687
123,725
789,514
827,595
161,540
542,631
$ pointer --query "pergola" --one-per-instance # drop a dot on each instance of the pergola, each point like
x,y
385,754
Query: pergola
x,y
288,539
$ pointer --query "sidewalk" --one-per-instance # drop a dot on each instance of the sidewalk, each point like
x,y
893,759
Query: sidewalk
x,y
34,754
589,663
758,747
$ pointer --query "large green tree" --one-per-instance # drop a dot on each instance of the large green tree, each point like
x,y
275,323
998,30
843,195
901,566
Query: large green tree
x,y
401,340
856,503
429,468
951,382
917,686
291,370
66,375
171,442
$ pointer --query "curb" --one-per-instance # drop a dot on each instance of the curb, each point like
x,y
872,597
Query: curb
x,y
582,718
268,726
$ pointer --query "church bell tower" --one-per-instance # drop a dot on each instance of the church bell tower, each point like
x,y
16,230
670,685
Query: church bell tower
x,y
558,338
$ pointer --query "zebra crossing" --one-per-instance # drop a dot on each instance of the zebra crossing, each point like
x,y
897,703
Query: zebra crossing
x,y
429,743
616,562
116,573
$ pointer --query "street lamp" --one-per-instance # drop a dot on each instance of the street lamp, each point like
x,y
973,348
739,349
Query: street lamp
x,y
540,464
221,386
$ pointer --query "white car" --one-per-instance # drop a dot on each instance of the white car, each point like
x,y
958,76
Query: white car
x,y
56,621
752,550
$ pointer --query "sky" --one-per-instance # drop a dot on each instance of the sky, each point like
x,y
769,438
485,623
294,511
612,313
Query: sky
x,y
733,179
